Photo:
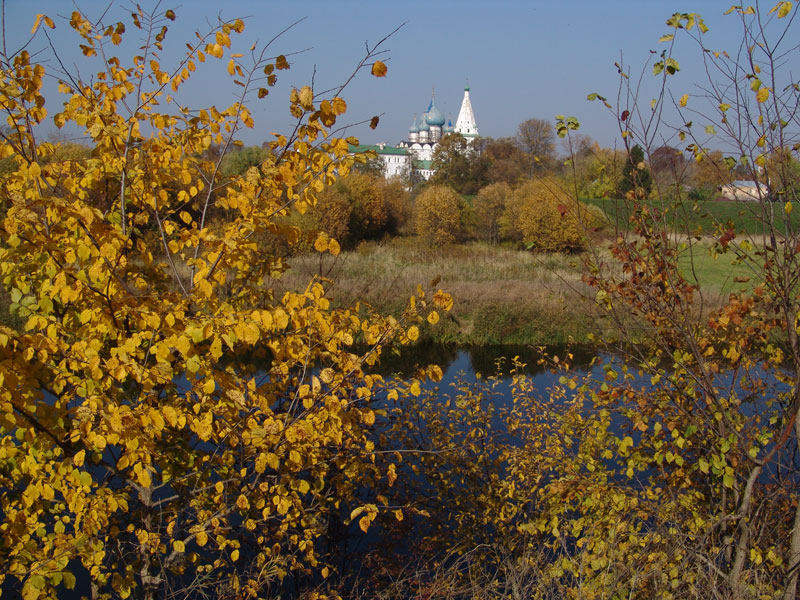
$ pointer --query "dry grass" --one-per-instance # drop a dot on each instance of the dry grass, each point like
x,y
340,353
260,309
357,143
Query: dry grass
x,y
501,295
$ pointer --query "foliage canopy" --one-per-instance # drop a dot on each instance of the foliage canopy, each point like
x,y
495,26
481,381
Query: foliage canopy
x,y
169,420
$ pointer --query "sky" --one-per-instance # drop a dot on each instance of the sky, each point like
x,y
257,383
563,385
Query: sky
x,y
522,59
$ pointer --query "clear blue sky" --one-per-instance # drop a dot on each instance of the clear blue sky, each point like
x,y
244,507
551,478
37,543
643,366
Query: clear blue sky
x,y
523,59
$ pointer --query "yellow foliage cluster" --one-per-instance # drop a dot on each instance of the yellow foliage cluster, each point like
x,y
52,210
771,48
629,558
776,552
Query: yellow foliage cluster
x,y
166,415
358,207
544,217
438,215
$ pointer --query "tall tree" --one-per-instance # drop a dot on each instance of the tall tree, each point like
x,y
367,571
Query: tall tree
x,y
172,421
506,163
636,177
458,163
536,137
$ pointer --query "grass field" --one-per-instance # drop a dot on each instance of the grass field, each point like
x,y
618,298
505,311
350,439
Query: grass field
x,y
502,295
705,217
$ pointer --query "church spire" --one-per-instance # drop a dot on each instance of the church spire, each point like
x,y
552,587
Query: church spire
x,y
465,123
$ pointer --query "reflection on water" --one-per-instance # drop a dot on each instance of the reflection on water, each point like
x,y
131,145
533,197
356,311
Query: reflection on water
x,y
466,364
486,360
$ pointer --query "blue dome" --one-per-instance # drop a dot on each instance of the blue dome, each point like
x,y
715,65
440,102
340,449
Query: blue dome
x,y
414,127
434,116
449,127
422,123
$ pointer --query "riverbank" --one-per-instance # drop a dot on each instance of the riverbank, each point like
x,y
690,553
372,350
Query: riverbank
x,y
502,296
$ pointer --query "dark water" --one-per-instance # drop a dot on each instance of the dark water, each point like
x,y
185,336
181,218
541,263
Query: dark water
x,y
466,363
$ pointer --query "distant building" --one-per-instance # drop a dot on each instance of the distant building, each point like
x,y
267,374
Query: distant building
x,y
395,160
412,157
744,190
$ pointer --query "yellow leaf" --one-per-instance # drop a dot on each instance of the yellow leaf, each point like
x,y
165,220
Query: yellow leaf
x,y
231,67
443,300
762,94
364,523
339,105
334,248
783,8
415,389
684,99
413,333
209,386
216,348
433,317
398,514
144,477
261,463
306,97
379,69
326,375
78,459
37,22
368,417
787,208
183,345
170,415
434,373
178,546
321,243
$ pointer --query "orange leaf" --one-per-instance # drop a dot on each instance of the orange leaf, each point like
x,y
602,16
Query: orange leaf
x,y
379,69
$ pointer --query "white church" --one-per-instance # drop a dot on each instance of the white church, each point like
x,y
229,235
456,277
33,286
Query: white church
x,y
423,136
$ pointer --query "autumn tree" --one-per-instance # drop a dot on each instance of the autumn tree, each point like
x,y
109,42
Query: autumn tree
x,y
506,163
782,171
171,422
488,208
669,469
592,171
369,216
720,423
710,173
636,176
536,137
458,164
670,168
438,215
397,201
240,159
543,216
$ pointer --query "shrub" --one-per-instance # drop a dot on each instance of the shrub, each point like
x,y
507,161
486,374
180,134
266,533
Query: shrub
x,y
438,215
332,213
543,216
488,207
368,216
397,201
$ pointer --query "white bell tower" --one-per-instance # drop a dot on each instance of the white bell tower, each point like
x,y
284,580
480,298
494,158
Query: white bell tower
x,y
465,124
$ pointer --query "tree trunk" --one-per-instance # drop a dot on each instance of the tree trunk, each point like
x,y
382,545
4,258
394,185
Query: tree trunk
x,y
794,550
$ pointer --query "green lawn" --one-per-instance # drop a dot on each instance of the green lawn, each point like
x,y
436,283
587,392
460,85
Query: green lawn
x,y
716,273
704,217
